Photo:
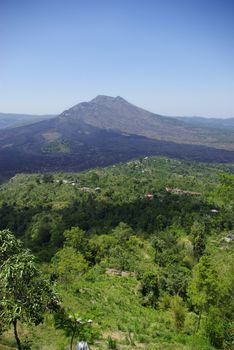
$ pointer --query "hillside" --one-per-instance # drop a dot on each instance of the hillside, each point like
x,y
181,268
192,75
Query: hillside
x,y
105,131
125,251
121,189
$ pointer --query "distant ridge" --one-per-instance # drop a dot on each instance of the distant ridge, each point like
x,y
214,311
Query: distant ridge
x,y
214,123
13,120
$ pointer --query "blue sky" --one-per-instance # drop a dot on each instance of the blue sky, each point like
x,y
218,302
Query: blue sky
x,y
173,57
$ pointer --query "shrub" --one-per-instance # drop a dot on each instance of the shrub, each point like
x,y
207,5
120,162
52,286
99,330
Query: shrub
x,y
112,343
178,311
216,328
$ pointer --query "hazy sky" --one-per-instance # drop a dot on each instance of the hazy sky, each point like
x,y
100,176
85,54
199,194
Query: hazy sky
x,y
174,57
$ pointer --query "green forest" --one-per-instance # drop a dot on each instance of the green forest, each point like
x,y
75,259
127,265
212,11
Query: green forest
x,y
132,256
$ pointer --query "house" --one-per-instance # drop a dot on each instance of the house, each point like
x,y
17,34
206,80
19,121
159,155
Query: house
x,y
180,191
85,189
228,238
66,182
149,196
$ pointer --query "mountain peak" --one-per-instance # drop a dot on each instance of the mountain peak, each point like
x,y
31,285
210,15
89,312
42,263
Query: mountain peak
x,y
100,99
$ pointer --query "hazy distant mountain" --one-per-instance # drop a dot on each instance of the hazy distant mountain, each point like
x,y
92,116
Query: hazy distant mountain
x,y
104,131
214,123
12,120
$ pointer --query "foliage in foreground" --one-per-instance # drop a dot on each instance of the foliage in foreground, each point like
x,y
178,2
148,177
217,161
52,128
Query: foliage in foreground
x,y
25,295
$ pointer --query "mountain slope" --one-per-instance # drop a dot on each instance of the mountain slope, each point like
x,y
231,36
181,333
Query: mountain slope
x,y
116,113
101,132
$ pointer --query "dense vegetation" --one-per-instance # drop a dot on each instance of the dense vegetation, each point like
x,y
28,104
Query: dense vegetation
x,y
152,266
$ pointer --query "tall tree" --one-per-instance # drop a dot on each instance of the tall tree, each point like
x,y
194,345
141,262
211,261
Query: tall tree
x,y
74,326
198,239
25,294
203,289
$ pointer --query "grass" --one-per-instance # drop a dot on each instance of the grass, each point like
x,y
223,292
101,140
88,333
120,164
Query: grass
x,y
114,304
